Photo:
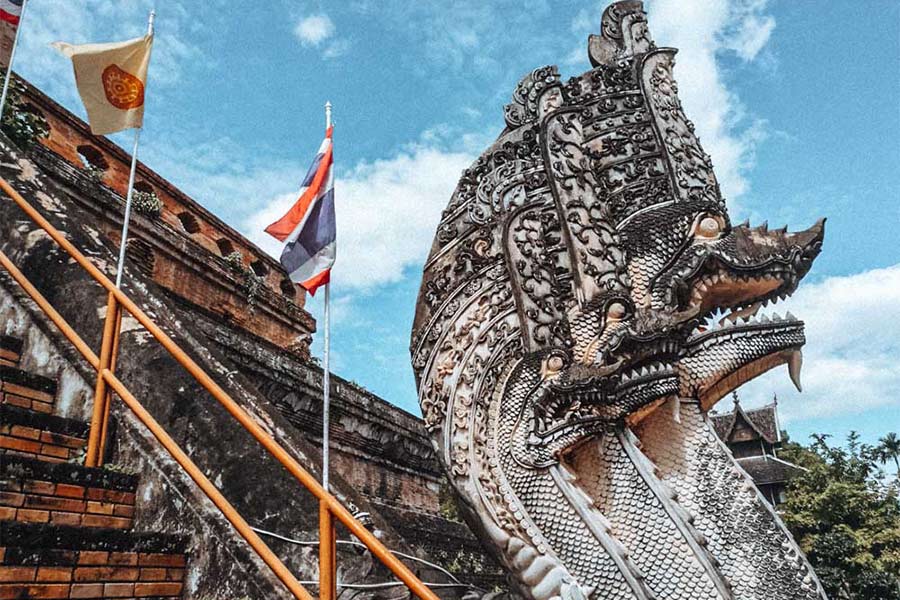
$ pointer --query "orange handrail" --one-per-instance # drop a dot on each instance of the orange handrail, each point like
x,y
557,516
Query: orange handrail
x,y
330,507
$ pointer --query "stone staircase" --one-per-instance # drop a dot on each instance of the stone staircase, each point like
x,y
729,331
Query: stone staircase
x,y
66,530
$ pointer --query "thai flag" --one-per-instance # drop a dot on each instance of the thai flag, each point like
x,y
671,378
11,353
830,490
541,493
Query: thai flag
x,y
10,11
308,227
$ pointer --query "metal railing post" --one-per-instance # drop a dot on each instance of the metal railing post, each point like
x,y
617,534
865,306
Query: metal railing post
x,y
100,414
104,430
327,554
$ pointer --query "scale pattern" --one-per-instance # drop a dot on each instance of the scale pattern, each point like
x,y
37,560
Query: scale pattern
x,y
551,512
756,553
640,521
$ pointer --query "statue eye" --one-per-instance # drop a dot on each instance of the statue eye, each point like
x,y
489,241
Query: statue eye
x,y
616,311
709,227
555,363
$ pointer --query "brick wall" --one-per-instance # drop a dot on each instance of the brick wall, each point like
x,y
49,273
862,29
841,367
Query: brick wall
x,y
36,491
34,501
89,574
67,562
26,390
10,349
55,439
27,441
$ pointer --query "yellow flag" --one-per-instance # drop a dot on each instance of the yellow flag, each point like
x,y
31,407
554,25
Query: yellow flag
x,y
111,80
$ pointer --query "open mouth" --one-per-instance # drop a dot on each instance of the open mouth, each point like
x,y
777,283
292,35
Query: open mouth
x,y
568,405
725,285
730,349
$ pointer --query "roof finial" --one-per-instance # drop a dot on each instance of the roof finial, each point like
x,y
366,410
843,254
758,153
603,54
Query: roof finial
x,y
734,396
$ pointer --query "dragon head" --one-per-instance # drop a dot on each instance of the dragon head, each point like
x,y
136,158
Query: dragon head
x,y
567,295
736,275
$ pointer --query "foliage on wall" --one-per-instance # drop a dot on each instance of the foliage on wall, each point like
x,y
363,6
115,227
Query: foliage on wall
x,y
22,125
146,203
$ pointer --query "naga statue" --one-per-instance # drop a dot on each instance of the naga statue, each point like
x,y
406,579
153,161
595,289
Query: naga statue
x,y
564,353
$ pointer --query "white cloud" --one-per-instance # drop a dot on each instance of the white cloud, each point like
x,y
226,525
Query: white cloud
x,y
704,31
749,28
336,48
852,354
314,29
472,38
387,213
220,173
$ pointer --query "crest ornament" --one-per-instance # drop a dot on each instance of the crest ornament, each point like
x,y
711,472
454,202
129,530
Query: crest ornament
x,y
122,89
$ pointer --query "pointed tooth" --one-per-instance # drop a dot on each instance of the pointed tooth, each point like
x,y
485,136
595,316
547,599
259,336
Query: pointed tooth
x,y
790,317
776,317
795,363
764,319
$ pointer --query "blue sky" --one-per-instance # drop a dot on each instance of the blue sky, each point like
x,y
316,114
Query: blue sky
x,y
797,103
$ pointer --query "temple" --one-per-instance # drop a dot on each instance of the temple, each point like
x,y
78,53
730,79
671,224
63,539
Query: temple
x,y
754,437
234,305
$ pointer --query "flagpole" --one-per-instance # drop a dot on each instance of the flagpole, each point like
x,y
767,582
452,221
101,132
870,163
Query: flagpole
x,y
120,266
326,376
12,57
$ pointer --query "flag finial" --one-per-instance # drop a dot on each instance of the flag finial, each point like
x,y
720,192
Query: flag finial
x,y
327,114
150,20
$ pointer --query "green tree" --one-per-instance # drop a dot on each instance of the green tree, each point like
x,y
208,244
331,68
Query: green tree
x,y
845,515
889,450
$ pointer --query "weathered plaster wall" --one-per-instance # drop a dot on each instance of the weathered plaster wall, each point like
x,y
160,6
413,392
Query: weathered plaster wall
x,y
379,449
252,481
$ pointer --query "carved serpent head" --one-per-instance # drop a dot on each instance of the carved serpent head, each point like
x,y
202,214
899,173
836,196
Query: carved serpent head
x,y
567,295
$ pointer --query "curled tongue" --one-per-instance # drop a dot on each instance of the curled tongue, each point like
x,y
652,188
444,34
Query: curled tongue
x,y
795,363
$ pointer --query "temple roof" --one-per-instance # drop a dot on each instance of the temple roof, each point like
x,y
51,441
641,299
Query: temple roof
x,y
768,469
763,420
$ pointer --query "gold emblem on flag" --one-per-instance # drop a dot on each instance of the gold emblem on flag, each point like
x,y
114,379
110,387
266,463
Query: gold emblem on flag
x,y
122,89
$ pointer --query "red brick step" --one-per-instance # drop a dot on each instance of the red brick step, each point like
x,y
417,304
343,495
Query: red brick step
x,y
49,561
24,432
66,494
26,390
10,351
